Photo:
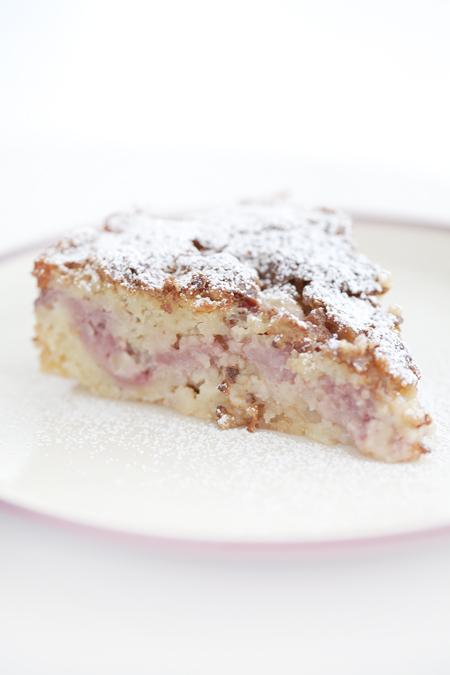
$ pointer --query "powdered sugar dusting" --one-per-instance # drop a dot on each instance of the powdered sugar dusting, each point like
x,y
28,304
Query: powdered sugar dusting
x,y
240,252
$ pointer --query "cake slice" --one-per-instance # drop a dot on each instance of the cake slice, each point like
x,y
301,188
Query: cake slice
x,y
259,315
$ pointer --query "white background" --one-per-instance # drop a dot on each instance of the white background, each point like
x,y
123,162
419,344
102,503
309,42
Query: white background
x,y
105,104
169,103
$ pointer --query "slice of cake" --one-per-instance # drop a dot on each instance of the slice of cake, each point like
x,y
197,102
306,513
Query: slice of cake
x,y
257,315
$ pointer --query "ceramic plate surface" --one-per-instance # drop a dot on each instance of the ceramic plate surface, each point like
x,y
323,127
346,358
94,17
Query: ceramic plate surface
x,y
142,469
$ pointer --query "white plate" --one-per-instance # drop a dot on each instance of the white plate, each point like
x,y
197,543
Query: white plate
x,y
142,469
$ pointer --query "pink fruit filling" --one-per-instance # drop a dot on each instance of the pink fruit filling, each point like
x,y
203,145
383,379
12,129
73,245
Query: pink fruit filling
x,y
126,365
342,404
346,406
115,356
270,361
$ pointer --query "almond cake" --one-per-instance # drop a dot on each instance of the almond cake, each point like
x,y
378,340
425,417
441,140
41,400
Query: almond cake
x,y
256,315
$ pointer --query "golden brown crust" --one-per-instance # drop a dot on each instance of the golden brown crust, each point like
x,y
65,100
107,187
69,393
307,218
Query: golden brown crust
x,y
220,259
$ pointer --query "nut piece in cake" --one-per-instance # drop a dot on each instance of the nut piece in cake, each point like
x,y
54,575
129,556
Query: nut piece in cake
x,y
261,316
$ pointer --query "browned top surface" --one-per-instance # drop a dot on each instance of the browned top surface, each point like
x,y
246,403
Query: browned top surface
x,y
239,253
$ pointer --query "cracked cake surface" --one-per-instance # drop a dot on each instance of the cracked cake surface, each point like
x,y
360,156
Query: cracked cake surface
x,y
287,276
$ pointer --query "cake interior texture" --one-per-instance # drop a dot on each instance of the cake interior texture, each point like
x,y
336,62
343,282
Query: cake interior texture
x,y
243,317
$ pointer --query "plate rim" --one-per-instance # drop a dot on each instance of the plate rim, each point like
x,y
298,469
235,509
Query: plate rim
x,y
230,545
234,546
